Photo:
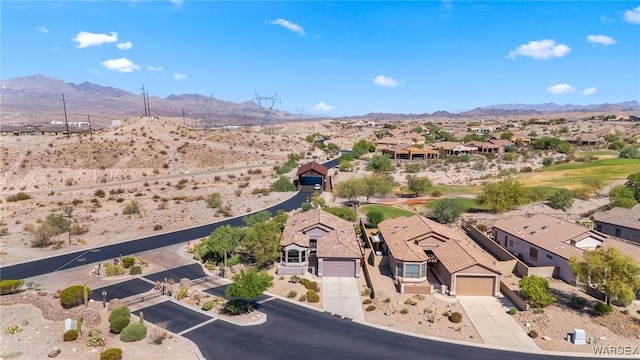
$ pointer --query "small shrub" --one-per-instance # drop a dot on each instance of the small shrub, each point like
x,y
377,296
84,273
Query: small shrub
x,y
387,300
118,324
111,354
135,270
99,193
113,270
120,311
133,332
313,296
455,317
367,301
95,338
70,335
208,305
157,227
128,261
365,292
408,302
131,208
73,296
533,334
292,294
513,310
578,302
602,308
370,308
9,286
404,311
235,307
538,311
302,297
19,197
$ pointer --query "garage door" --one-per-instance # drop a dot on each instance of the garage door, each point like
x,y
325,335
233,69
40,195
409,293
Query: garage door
x,y
310,180
474,285
342,268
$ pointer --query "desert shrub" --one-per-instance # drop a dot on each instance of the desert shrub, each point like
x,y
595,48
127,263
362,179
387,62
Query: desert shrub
x,y
118,324
305,206
303,297
310,285
111,354
135,270
365,291
387,300
128,261
548,161
72,296
313,296
214,201
283,185
602,308
70,335
157,227
370,308
9,286
95,338
292,294
12,329
455,317
208,305
99,193
133,332
113,270
538,311
120,311
234,307
533,334
581,192
513,310
535,290
77,229
367,301
18,197
131,208
408,301
412,168
578,302
526,169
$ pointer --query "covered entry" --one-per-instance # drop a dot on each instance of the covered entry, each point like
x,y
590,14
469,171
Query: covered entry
x,y
311,174
338,267
475,285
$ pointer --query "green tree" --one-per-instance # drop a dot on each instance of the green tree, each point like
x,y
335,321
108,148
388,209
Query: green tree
x,y
375,217
345,164
417,130
536,291
247,285
617,145
362,147
418,184
613,273
633,183
622,196
503,195
593,184
260,216
58,222
376,184
347,213
447,210
507,135
561,199
630,152
380,163
262,240
283,185
350,189
548,161
222,242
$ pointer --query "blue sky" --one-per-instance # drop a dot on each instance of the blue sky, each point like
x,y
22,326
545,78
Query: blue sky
x,y
335,58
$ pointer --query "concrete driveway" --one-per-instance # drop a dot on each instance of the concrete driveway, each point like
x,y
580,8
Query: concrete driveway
x,y
340,296
494,325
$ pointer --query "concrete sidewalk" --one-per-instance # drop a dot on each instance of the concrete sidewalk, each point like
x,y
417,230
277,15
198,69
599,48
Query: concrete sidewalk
x,y
340,296
494,325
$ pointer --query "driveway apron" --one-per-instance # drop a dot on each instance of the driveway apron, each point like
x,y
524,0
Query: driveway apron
x,y
340,296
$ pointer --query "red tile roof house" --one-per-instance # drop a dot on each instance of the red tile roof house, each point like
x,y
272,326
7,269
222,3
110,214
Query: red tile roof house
x,y
416,245
620,222
321,243
542,240
313,173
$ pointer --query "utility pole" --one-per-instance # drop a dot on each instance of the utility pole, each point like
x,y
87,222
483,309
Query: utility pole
x,y
66,121
144,101
183,120
90,130
148,105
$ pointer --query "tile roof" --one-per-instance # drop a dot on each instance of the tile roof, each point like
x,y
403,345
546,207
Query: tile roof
x,y
629,218
556,235
319,168
453,256
337,244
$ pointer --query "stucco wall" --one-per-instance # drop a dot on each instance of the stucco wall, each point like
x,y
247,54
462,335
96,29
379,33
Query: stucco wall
x,y
625,233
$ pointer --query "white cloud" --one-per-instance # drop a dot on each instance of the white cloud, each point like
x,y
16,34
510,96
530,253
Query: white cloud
x,y
632,16
154,68
86,39
382,80
322,106
42,29
601,39
589,91
561,89
122,65
179,77
543,49
289,25
125,45
177,3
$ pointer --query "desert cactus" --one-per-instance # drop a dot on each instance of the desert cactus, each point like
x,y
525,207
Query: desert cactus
x,y
79,324
86,295
141,317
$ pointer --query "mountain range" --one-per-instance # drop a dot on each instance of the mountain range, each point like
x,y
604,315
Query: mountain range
x,y
37,96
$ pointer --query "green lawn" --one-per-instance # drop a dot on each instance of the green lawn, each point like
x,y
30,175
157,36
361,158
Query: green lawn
x,y
389,212
469,205
572,174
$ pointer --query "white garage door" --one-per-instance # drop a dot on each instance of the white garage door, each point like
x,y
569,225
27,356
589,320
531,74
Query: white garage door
x,y
474,285
341,268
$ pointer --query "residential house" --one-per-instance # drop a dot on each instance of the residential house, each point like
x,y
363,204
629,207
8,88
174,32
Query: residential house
x,y
620,222
410,152
543,240
486,147
454,148
321,243
313,173
417,245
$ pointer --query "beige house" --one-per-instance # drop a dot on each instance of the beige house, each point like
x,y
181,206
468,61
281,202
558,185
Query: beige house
x,y
321,243
620,222
417,245
410,152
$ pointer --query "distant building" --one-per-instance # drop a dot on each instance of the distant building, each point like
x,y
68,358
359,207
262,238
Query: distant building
x,y
620,222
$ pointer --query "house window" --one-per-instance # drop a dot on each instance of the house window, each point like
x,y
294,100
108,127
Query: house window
x,y
303,256
549,256
313,244
412,271
423,270
399,269
293,256
617,231
510,242
533,254
599,227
